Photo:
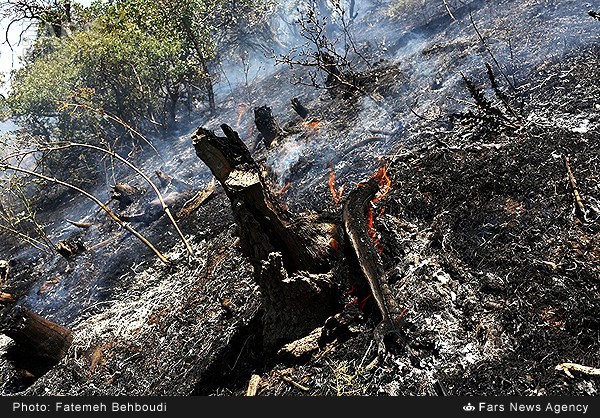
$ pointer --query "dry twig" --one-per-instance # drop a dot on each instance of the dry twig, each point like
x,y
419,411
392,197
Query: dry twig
x,y
4,167
567,367
579,207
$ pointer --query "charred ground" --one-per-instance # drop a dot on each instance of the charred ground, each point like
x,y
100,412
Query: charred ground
x,y
481,241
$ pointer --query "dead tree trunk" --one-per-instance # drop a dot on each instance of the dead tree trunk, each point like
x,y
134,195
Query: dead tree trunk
x,y
267,125
39,344
292,258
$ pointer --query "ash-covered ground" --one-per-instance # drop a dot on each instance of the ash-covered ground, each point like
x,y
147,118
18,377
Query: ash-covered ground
x,y
485,246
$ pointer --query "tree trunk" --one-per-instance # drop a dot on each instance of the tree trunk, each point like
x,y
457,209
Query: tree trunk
x,y
267,125
39,344
292,258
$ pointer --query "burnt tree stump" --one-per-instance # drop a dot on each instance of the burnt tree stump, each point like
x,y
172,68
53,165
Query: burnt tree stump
x,y
299,108
267,125
292,258
39,344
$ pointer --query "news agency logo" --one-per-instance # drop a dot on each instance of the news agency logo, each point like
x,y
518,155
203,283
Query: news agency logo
x,y
468,407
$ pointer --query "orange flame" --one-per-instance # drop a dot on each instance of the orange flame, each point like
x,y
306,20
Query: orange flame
x,y
314,124
336,192
385,183
385,186
373,231
335,246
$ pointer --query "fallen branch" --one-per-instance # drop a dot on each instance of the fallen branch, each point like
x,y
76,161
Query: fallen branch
x,y
579,207
165,207
567,367
4,167
6,298
194,203
294,383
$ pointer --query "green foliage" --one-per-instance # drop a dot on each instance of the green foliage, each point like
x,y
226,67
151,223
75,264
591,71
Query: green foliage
x,y
136,60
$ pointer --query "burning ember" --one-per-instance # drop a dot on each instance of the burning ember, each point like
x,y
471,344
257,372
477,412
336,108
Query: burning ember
x,y
385,186
385,183
336,192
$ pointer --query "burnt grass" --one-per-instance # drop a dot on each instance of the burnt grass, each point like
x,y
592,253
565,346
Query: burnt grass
x,y
480,238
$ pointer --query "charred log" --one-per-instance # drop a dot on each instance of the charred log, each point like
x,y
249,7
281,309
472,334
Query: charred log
x,y
267,125
39,344
355,215
299,108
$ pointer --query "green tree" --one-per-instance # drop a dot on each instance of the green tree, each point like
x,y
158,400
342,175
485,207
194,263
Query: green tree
x,y
136,60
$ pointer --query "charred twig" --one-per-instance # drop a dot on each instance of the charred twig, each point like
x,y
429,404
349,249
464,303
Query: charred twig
x,y
594,14
499,93
4,167
579,207
489,51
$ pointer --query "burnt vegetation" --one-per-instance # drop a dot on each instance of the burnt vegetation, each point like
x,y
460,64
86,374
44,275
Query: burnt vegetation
x,y
312,202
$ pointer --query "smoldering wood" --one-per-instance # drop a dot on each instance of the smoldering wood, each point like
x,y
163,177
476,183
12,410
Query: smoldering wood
x,y
292,258
264,226
167,180
299,108
70,248
6,298
154,210
267,125
355,214
39,343
125,194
